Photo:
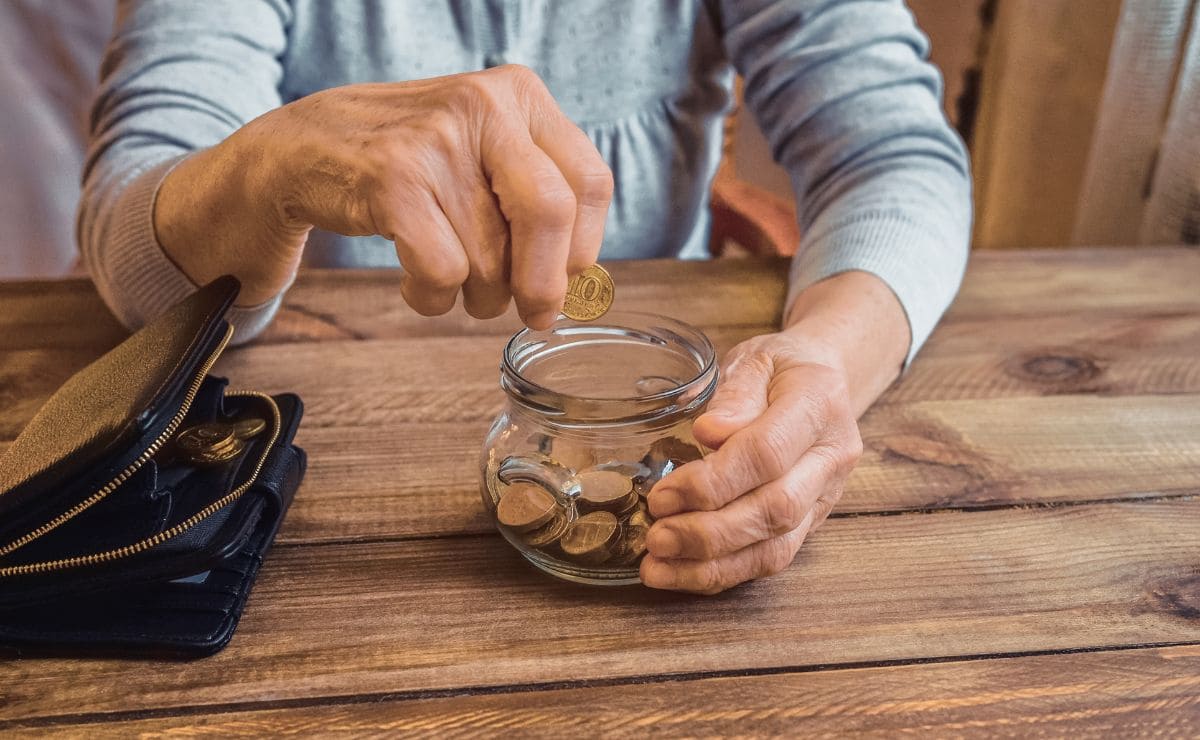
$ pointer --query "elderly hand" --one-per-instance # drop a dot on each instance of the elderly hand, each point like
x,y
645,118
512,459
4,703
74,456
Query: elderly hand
x,y
480,180
784,431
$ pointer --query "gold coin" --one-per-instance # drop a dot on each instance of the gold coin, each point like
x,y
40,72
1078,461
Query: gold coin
x,y
632,547
589,294
205,436
548,533
247,428
605,489
216,456
590,538
674,450
525,506
640,517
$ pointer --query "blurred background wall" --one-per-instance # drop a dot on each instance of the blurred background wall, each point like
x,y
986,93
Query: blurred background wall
x,y
49,61
1082,117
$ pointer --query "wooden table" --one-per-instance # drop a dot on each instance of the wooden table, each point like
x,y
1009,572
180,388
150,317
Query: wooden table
x,y
1018,551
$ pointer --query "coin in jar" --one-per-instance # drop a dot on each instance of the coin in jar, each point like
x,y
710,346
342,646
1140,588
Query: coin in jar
x,y
590,539
605,490
640,517
589,294
206,436
525,506
549,533
632,546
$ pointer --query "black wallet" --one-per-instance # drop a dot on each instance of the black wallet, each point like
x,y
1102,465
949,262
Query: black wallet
x,y
137,505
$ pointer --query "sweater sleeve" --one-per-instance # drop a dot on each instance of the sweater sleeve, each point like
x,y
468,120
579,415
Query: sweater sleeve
x,y
850,106
177,78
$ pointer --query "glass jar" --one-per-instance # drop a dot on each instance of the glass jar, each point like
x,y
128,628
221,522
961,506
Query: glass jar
x,y
596,414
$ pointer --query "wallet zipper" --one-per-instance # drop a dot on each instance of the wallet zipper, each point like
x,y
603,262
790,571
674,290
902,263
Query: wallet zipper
x,y
178,529
161,537
136,465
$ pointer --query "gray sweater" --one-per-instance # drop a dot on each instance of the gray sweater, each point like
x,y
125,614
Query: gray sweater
x,y
840,87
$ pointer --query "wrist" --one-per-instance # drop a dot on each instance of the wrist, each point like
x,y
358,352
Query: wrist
x,y
853,323
214,214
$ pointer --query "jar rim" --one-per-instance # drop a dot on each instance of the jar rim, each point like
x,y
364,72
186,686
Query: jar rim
x,y
681,397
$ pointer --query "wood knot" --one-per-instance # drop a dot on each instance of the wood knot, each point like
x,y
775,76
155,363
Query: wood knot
x,y
921,449
1056,368
1180,598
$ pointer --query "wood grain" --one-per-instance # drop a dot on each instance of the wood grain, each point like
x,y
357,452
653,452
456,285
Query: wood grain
x,y
393,428
329,305
1133,693
416,479
464,612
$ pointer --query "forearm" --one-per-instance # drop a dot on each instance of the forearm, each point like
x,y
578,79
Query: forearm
x,y
853,322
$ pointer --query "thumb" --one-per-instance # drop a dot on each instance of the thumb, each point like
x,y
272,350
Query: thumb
x,y
740,398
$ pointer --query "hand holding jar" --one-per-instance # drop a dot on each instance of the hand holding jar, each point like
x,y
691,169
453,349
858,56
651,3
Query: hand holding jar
x,y
783,424
785,440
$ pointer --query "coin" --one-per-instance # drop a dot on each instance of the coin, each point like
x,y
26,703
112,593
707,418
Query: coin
x,y
640,517
669,453
589,294
605,490
216,456
632,547
548,533
205,436
247,428
590,538
525,506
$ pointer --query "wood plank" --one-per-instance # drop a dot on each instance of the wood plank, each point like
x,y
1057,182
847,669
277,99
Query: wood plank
x,y
1001,357
359,304
393,427
445,378
417,479
330,305
1092,282
1133,693
355,620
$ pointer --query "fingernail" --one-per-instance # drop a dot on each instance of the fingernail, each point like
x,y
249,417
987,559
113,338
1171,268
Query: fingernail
x,y
662,542
664,502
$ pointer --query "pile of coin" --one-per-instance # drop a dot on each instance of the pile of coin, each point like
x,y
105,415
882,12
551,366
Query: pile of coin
x,y
216,442
595,516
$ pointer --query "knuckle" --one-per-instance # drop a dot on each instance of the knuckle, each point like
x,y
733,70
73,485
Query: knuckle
x,y
853,448
707,542
489,269
774,556
541,294
520,77
596,186
781,513
771,450
441,272
555,206
712,482
824,506
709,578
